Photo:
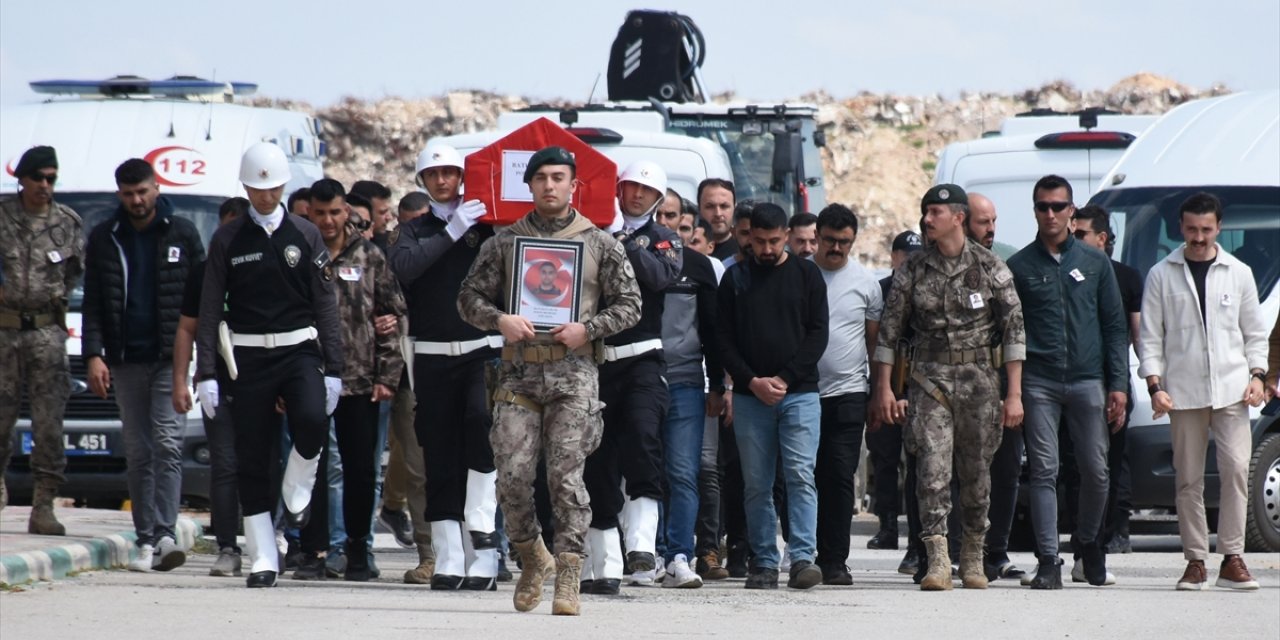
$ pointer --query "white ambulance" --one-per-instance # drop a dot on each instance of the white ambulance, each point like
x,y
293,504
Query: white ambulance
x,y
193,133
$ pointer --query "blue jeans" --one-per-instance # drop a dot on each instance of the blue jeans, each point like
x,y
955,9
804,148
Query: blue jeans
x,y
792,428
153,434
1082,406
333,475
682,439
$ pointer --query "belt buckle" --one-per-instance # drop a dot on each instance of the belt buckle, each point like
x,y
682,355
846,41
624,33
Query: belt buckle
x,y
269,341
27,321
455,349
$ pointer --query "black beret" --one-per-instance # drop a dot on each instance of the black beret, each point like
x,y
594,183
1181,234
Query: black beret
x,y
944,194
549,155
35,159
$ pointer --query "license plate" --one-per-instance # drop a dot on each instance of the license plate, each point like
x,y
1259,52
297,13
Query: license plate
x,y
76,444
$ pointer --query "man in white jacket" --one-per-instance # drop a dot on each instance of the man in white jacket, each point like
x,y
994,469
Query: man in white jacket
x,y
1203,374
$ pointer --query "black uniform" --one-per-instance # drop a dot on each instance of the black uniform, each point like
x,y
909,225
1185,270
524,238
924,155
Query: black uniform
x,y
271,284
452,422
633,389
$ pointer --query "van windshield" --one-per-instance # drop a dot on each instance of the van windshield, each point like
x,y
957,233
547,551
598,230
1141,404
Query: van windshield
x,y
95,208
750,157
1146,221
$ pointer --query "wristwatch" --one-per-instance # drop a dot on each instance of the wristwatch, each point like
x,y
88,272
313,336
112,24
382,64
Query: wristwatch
x,y
1260,375
1154,389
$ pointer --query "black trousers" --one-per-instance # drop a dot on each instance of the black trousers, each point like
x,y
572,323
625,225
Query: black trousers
x,y
733,499
839,443
636,401
884,452
452,423
1006,467
224,498
294,374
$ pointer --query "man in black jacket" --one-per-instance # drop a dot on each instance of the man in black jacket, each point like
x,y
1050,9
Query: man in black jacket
x,y
137,265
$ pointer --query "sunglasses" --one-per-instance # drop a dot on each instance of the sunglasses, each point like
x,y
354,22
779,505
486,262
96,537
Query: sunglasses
x,y
837,242
44,177
1058,207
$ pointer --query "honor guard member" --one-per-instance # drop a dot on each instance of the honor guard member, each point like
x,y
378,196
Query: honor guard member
x,y
546,403
372,367
958,299
634,392
42,257
431,255
270,270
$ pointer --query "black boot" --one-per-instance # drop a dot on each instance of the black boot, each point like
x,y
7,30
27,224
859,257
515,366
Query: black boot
x,y
1119,542
910,562
1095,563
310,567
922,563
737,565
357,562
887,536
1048,573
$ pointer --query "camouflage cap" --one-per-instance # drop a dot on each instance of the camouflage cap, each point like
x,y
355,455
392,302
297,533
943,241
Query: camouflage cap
x,y
548,155
944,194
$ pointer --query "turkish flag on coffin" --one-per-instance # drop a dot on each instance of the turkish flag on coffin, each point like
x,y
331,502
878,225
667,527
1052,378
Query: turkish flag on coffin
x,y
495,174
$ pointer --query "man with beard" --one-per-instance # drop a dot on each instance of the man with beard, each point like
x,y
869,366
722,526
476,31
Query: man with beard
x,y
136,270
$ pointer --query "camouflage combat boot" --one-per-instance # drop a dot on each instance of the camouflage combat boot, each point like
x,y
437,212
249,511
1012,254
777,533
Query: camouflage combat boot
x,y
42,520
568,572
422,573
537,565
972,575
939,576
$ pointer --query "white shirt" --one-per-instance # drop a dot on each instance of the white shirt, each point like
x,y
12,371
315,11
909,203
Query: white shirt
x,y
1202,368
853,295
445,210
269,223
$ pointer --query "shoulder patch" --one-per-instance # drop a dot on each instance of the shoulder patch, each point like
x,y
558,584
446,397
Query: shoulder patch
x,y
394,236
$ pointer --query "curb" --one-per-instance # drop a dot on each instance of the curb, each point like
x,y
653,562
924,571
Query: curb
x,y
106,552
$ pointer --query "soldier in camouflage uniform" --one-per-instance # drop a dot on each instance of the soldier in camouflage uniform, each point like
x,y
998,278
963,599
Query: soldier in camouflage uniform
x,y
959,300
365,288
546,401
42,258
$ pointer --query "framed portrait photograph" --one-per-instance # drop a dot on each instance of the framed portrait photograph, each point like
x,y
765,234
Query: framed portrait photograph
x,y
546,283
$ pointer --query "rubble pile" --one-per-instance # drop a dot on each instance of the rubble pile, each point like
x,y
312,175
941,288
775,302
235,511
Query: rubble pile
x,y
880,155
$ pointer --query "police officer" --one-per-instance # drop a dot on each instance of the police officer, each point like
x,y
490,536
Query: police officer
x,y
431,254
634,392
42,259
547,397
959,300
270,270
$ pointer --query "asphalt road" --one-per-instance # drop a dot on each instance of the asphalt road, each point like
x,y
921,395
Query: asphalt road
x,y
187,603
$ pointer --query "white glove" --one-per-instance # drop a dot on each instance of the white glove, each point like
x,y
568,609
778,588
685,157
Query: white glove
x,y
464,218
332,389
207,392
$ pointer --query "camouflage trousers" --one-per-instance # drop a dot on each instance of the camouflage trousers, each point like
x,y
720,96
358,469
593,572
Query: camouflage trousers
x,y
37,360
962,438
564,433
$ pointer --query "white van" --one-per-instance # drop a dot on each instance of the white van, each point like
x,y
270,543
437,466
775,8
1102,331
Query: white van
x,y
1228,146
193,134
687,160
1005,165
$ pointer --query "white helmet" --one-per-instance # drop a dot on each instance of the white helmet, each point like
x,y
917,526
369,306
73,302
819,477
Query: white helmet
x,y
439,155
646,173
263,166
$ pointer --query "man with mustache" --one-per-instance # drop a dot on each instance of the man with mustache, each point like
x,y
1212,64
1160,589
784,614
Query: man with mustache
x,y
854,306
42,260
959,302
1203,352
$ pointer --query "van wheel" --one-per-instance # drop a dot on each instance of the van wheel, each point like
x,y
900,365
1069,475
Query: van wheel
x,y
1262,524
